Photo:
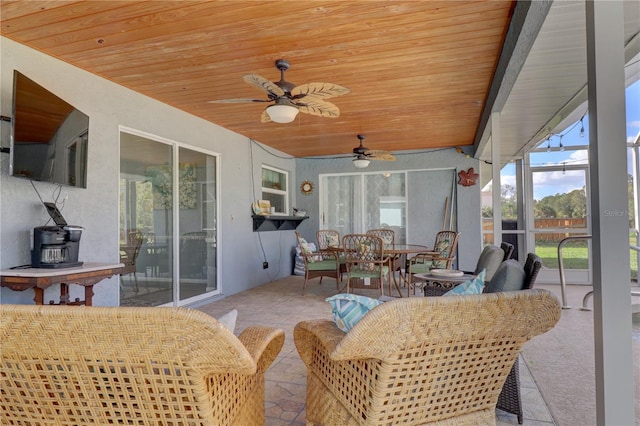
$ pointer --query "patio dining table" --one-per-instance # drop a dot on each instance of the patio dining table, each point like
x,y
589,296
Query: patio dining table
x,y
396,252
399,252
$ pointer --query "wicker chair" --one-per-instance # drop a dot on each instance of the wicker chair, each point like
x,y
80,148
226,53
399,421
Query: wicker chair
x,y
148,366
328,241
389,238
446,244
129,255
318,264
367,266
415,361
510,399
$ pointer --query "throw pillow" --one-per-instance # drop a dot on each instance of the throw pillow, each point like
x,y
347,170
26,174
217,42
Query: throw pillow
x,y
444,250
229,319
364,252
474,286
332,240
509,277
348,309
307,249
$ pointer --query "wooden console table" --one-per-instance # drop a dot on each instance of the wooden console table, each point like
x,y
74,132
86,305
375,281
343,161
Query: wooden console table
x,y
38,279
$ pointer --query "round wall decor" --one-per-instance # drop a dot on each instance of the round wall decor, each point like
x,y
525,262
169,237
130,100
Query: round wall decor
x,y
306,187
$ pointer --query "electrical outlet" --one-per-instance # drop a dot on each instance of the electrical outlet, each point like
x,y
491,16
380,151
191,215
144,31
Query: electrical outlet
x,y
265,265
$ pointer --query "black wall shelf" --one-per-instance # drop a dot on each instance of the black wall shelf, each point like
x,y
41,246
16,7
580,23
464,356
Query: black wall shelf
x,y
276,223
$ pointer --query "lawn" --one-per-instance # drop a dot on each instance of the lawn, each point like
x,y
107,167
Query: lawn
x,y
574,256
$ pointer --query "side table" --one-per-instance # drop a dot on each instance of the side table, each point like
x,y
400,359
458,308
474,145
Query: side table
x,y
39,279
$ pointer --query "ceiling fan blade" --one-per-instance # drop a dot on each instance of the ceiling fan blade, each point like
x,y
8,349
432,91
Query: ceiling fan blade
x,y
319,90
318,107
264,117
238,101
262,83
374,154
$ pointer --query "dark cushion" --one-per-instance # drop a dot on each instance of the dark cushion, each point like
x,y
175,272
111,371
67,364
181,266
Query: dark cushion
x,y
489,260
509,277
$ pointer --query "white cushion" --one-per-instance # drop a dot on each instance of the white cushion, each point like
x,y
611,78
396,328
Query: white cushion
x,y
229,319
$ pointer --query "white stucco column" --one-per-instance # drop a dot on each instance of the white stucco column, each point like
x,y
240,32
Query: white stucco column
x,y
495,178
609,205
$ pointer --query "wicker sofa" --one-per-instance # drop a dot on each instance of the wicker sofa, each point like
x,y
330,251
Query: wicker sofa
x,y
415,361
63,365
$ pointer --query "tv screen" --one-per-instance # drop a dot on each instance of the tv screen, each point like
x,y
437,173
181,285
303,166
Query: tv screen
x,y
49,137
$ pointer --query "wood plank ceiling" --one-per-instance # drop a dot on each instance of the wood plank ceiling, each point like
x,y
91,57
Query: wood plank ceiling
x,y
419,71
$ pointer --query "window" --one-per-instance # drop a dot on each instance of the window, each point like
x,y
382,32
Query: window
x,y
275,187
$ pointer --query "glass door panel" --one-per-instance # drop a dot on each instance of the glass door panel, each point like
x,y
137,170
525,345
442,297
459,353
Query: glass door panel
x,y
146,204
560,210
385,203
197,181
342,203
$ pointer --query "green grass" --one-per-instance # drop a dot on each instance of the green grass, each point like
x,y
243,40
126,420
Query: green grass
x,y
574,255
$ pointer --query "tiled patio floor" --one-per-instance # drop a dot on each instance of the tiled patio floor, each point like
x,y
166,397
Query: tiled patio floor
x,y
280,304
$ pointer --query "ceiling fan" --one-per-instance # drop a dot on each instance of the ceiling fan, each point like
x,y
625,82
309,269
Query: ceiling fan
x,y
363,155
288,99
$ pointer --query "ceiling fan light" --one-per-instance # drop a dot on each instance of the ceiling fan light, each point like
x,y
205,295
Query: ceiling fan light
x,y
282,113
360,163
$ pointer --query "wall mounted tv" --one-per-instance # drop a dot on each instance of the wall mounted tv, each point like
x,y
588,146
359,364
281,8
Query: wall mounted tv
x,y
49,137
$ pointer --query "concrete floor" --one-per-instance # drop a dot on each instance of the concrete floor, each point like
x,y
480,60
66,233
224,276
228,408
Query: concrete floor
x,y
280,304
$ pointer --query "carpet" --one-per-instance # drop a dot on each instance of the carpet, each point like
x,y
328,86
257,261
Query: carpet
x,y
562,363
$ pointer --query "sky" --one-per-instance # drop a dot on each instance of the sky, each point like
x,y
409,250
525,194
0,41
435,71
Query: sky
x,y
557,182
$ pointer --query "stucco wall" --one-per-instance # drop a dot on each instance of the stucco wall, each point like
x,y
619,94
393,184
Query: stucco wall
x,y
242,251
109,107
467,198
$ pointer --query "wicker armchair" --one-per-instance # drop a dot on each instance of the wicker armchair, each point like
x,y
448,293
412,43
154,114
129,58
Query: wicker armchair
x,y
446,244
367,265
318,264
328,241
389,238
510,399
148,366
415,361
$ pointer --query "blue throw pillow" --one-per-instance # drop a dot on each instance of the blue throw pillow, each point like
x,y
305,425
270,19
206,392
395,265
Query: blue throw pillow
x,y
348,309
474,286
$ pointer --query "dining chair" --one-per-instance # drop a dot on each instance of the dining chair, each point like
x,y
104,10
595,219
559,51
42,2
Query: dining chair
x,y
129,255
328,238
317,264
389,238
367,266
329,241
442,257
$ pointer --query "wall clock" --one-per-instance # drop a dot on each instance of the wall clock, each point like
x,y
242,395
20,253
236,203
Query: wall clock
x,y
306,187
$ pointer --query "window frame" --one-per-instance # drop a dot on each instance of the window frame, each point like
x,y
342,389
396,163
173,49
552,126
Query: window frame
x,y
284,193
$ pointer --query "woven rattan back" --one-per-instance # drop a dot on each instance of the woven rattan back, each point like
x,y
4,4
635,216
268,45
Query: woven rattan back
x,y
327,238
420,360
387,235
446,243
363,253
96,365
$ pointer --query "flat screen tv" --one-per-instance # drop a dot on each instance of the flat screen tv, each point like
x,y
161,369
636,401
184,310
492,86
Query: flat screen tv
x,y
49,137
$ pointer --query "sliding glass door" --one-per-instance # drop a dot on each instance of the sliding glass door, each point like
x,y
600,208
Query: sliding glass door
x,y
415,204
173,264
355,203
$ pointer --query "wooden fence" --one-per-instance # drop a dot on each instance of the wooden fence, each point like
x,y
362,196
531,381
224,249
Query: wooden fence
x,y
548,223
